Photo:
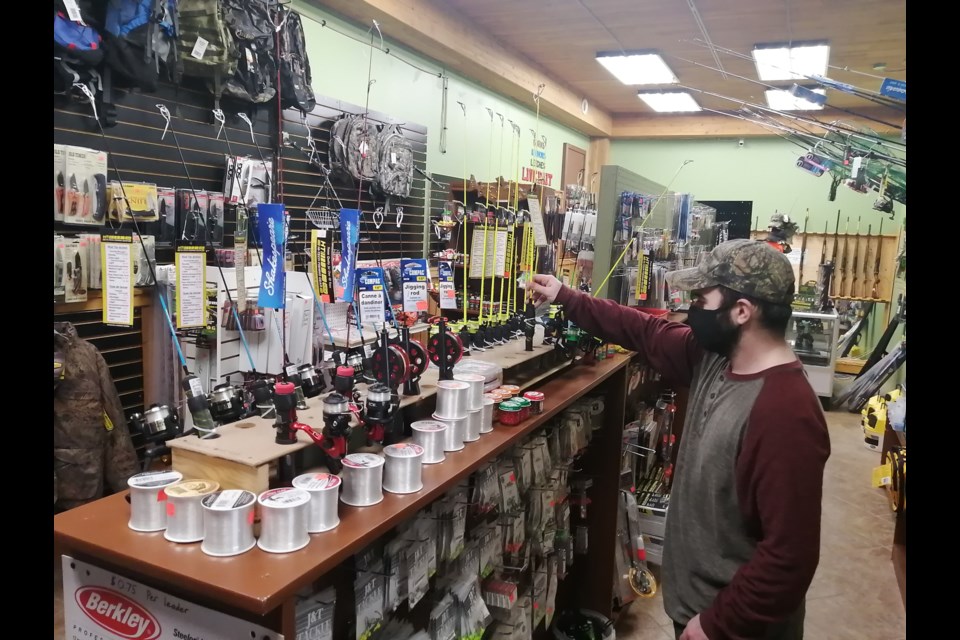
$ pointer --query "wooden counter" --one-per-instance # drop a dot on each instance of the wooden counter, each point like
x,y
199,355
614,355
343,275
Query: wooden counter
x,y
261,586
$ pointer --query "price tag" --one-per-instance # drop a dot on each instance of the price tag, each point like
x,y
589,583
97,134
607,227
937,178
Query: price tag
x,y
73,11
199,48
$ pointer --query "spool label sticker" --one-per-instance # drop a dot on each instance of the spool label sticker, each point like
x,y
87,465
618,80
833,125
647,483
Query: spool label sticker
x,y
230,499
284,497
109,606
403,450
155,479
192,489
317,481
362,460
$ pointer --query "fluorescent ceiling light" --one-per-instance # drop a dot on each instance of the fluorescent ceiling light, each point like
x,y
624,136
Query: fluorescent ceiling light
x,y
637,67
782,100
791,63
669,101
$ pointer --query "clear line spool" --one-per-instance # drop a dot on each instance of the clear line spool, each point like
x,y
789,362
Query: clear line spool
x,y
475,392
228,523
403,469
486,424
430,435
451,400
324,490
362,480
148,500
474,423
185,511
453,436
283,520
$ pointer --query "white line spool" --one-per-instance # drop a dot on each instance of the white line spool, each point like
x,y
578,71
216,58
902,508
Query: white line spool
x,y
283,520
453,436
228,523
403,469
486,425
451,399
430,435
324,490
148,500
362,480
185,511
475,392
474,423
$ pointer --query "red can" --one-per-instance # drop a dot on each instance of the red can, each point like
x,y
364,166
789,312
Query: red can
x,y
510,415
536,399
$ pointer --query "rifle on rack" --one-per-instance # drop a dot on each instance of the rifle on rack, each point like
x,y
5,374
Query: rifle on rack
x,y
875,294
856,259
834,285
866,258
803,249
843,260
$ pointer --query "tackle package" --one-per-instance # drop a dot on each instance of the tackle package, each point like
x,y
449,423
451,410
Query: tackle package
x,y
75,269
166,216
95,268
248,181
192,207
84,185
141,197
314,615
144,256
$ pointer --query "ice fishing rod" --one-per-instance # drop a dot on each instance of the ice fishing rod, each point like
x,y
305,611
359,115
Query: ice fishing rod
x,y
646,218
203,218
866,94
833,128
166,312
804,94
775,129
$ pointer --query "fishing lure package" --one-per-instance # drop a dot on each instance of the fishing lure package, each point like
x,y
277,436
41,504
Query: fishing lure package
x,y
133,201
315,615
75,261
85,186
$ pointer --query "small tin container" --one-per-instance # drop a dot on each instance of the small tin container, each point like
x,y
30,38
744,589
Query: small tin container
x,y
509,414
536,399
524,408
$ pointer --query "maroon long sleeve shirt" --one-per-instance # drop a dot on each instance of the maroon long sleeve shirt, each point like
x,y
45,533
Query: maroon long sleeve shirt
x,y
742,538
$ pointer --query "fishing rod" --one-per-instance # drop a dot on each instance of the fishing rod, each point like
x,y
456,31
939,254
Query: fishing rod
x,y
833,128
866,94
243,337
806,94
765,125
116,169
219,116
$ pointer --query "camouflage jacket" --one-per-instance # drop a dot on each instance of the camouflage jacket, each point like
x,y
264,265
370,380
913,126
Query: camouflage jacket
x,y
92,450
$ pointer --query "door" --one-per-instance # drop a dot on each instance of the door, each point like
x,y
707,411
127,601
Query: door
x,y
574,167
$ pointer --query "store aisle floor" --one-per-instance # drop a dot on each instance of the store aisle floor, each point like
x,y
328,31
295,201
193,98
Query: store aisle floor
x,y
854,593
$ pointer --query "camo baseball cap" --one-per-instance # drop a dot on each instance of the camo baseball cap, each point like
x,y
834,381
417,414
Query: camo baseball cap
x,y
750,267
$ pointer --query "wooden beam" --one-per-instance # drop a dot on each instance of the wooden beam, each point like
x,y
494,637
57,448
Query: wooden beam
x,y
423,27
698,125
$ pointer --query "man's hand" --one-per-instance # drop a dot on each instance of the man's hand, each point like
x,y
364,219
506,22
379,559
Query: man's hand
x,y
694,631
545,289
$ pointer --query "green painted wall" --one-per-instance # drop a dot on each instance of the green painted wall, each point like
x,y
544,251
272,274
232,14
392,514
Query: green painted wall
x,y
763,170
339,65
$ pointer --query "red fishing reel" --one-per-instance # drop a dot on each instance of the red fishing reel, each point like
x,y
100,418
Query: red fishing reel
x,y
418,357
391,366
445,348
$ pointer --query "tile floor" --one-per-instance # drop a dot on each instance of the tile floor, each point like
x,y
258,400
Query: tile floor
x,y
854,594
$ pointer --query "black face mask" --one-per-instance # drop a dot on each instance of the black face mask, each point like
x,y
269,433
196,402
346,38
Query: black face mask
x,y
713,329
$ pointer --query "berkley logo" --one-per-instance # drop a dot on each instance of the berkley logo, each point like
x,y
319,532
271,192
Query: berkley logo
x,y
117,613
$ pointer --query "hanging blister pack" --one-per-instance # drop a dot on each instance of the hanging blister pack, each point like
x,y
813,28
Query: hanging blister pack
x,y
488,538
215,217
443,620
473,615
191,211
369,594
469,560
85,186
458,505
59,180
167,216
314,615
538,462
539,593
510,501
393,562
428,528
144,259
486,492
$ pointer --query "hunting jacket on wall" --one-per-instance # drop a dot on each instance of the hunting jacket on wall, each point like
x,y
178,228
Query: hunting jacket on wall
x,y
91,442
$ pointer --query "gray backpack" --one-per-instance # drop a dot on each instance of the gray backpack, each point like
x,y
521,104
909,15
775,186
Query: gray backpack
x,y
354,149
395,171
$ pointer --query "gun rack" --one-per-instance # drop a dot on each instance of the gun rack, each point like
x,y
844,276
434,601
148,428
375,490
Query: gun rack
x,y
843,286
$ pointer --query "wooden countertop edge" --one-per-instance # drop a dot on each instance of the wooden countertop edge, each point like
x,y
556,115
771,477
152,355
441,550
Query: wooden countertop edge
x,y
262,603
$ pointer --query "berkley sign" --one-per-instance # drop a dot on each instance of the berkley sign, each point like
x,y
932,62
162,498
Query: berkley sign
x,y
117,613
102,605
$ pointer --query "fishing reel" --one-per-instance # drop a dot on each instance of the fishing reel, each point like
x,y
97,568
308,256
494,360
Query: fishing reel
x,y
262,399
381,417
444,348
389,362
418,358
157,425
226,403
311,381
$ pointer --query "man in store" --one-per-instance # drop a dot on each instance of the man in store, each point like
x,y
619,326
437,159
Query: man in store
x,y
742,536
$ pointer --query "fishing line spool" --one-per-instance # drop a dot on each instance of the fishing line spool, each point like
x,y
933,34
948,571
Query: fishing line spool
x,y
148,509
228,523
324,490
185,511
283,520
362,480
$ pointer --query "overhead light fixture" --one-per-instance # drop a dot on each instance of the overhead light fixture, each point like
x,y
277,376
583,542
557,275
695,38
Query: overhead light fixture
x,y
782,62
669,101
637,67
783,100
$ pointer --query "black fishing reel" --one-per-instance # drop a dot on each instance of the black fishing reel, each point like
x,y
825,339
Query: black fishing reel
x,y
226,403
381,415
263,399
311,381
157,425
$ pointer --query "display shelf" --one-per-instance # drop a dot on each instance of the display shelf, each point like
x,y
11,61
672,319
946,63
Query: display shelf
x,y
142,297
263,586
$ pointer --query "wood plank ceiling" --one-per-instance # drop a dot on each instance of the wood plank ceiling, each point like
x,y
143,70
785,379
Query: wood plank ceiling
x,y
563,37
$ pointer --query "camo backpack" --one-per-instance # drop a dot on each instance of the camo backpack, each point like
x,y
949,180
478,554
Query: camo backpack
x,y
395,170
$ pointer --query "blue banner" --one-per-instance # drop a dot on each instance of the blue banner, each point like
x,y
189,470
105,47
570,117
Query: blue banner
x,y
349,237
896,89
270,224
